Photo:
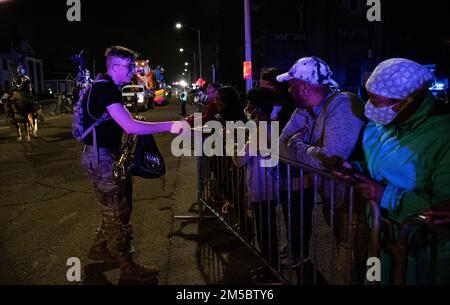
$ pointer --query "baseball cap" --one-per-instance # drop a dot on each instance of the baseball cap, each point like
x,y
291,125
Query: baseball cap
x,y
398,78
312,70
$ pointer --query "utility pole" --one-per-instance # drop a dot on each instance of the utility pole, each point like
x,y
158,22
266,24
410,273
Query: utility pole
x,y
248,42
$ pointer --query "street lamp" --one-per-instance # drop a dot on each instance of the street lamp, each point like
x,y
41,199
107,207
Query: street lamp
x,y
195,62
188,73
179,26
186,64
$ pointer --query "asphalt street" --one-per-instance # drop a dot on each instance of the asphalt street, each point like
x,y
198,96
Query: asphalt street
x,y
48,214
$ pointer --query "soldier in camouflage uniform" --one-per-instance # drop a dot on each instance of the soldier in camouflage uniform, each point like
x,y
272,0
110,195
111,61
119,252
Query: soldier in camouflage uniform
x,y
114,199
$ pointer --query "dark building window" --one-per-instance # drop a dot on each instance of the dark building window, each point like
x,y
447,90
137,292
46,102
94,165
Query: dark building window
x,y
5,64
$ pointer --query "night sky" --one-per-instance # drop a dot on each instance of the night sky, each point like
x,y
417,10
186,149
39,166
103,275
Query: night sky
x,y
148,27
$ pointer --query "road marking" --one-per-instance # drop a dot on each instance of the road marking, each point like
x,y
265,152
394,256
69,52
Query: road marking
x,y
67,217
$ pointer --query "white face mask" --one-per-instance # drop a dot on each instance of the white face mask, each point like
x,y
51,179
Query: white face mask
x,y
382,115
275,111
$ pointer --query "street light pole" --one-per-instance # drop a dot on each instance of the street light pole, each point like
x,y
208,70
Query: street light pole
x,y
195,67
248,42
179,26
190,78
200,53
195,64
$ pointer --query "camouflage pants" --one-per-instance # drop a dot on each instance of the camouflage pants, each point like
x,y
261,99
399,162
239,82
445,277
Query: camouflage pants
x,y
114,201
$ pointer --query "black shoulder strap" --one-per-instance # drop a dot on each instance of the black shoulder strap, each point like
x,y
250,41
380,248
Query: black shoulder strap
x,y
105,114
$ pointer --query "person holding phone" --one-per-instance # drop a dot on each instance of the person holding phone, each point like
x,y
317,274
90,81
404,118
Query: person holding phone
x,y
406,170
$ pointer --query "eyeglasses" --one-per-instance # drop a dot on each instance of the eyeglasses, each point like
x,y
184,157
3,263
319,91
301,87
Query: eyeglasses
x,y
131,66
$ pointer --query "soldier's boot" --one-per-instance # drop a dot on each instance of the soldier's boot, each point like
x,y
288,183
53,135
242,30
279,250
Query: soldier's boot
x,y
99,252
130,271
134,273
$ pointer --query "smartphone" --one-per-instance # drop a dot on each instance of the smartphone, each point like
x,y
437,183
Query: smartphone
x,y
345,171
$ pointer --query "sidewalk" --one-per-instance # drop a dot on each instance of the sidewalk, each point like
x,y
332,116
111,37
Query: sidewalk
x,y
200,253
203,252
187,251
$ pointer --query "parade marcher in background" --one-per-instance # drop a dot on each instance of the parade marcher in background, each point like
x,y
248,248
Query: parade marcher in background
x,y
210,108
59,101
284,107
183,102
24,105
326,124
21,81
114,199
5,100
407,158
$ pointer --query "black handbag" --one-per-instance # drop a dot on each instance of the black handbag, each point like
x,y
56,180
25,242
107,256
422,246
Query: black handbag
x,y
148,161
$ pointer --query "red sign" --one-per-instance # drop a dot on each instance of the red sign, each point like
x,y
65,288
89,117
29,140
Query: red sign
x,y
200,82
247,69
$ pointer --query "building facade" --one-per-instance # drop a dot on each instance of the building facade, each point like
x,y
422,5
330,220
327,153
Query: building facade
x,y
23,54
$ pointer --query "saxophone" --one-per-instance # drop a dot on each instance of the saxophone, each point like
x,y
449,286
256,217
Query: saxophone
x,y
122,168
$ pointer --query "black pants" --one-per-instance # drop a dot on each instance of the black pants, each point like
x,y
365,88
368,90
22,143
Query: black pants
x,y
296,225
183,108
266,229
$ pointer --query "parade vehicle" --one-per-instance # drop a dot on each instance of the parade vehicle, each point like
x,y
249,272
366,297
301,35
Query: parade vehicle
x,y
152,78
135,98
161,97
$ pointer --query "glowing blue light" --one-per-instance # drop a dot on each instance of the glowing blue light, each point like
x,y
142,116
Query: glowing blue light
x,y
438,87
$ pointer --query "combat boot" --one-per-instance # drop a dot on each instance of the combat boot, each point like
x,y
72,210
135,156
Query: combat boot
x,y
132,273
99,252
99,249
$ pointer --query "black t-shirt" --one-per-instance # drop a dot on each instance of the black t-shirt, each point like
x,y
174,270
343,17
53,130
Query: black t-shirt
x,y
109,133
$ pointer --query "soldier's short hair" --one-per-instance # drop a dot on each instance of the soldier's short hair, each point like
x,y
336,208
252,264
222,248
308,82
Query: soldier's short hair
x,y
122,52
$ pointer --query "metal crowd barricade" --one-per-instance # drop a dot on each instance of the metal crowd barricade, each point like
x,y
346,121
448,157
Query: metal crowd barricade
x,y
397,241
334,256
